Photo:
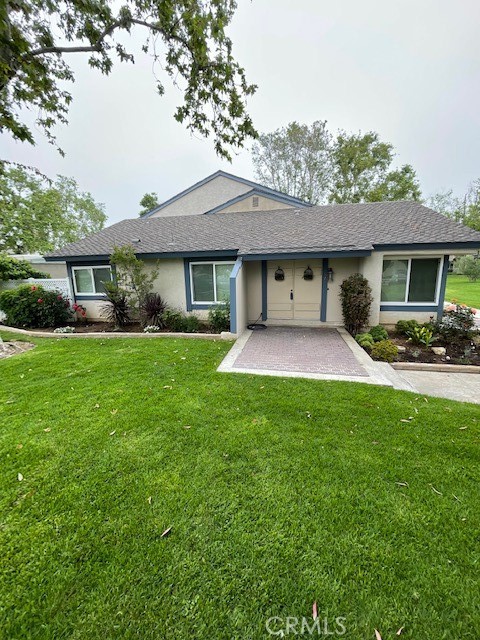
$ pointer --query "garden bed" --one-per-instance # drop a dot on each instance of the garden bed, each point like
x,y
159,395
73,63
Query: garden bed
x,y
105,327
460,352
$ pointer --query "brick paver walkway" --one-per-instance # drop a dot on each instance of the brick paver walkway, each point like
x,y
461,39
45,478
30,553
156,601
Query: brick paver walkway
x,y
299,349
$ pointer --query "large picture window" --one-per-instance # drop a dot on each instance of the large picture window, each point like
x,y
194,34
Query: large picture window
x,y
88,281
210,282
410,280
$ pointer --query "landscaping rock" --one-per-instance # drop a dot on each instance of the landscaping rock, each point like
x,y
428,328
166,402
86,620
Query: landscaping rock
x,y
439,351
401,349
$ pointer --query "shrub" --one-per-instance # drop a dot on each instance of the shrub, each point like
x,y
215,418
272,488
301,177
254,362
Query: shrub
x,y
34,307
384,350
116,309
403,327
191,324
356,297
14,269
468,266
365,340
173,320
456,324
219,318
378,333
152,309
421,335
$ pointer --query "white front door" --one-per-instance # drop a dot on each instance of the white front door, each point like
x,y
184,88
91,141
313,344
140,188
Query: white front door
x,y
294,298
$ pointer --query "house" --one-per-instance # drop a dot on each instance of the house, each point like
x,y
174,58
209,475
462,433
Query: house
x,y
281,266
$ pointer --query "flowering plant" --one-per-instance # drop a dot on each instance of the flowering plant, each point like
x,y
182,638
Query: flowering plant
x,y
81,312
151,329
64,330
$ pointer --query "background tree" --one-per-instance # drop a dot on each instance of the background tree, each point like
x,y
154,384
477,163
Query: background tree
x,y
37,216
148,202
311,163
465,209
295,160
362,171
468,266
186,37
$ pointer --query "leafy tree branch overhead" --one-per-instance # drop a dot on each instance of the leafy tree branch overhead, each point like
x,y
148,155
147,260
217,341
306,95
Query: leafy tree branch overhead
x,y
37,37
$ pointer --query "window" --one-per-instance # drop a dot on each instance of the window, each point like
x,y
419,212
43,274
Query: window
x,y
89,281
410,280
210,282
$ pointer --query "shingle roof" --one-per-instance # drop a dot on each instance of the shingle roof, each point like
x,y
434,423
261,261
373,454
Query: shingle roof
x,y
350,227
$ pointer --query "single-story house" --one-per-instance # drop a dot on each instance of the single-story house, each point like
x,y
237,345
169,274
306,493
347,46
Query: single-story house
x,y
283,266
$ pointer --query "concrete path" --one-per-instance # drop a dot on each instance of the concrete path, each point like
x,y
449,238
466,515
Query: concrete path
x,y
464,387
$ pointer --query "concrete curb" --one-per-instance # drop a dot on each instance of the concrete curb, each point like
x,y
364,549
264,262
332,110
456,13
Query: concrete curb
x,y
119,334
441,368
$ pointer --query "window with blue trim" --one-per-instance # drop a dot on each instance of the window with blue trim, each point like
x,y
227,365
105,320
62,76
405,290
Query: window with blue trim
x,y
88,281
210,282
410,280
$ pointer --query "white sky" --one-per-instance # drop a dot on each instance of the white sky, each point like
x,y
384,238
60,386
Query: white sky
x,y
408,69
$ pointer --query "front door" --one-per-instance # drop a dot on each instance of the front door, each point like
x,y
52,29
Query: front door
x,y
294,297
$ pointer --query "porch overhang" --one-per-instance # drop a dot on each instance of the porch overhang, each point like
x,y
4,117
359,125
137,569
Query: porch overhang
x,y
304,255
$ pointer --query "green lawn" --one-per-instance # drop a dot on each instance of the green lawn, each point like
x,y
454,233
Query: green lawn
x,y
460,288
279,493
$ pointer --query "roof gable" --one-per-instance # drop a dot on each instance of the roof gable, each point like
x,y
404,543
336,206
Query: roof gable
x,y
265,191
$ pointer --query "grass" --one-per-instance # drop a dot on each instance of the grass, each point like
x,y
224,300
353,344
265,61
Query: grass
x,y
460,288
279,493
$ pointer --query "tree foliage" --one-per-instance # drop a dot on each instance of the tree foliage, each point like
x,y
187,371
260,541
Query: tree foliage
x,y
13,269
465,209
36,216
148,202
187,39
311,163
133,278
468,266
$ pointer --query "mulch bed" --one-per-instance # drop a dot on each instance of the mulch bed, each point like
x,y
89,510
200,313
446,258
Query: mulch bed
x,y
103,327
462,352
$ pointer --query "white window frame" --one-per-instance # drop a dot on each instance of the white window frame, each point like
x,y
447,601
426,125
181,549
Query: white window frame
x,y
214,264
405,302
89,268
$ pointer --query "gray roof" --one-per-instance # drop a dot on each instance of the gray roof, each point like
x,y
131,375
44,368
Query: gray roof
x,y
346,228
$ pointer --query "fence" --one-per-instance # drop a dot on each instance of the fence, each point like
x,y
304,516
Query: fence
x,y
61,285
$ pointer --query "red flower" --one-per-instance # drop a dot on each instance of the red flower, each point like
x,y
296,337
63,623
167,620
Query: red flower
x,y
33,288
59,298
40,300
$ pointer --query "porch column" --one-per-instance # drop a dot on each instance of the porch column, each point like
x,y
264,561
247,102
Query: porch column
x,y
323,304
443,285
238,301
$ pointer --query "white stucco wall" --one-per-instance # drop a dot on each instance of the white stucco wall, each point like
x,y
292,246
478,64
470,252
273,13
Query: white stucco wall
x,y
241,300
342,268
253,271
208,196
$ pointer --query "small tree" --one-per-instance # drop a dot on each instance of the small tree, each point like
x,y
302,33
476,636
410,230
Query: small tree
x,y
468,266
132,276
356,297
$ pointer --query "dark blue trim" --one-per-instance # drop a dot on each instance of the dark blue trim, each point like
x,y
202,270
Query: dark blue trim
x,y
287,200
264,289
408,307
323,308
233,295
105,259
95,297
444,246
218,174
443,285
306,255
188,288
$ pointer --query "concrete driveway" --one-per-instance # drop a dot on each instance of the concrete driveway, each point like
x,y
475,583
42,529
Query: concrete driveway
x,y
464,387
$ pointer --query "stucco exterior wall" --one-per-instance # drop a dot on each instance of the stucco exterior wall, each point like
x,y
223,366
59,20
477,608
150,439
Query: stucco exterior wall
x,y
342,268
264,204
206,197
54,269
241,300
253,272
390,318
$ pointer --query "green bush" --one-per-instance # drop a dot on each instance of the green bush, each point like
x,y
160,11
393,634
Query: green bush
x,y
13,269
33,307
378,333
219,318
173,320
365,340
403,327
384,350
421,335
191,324
356,297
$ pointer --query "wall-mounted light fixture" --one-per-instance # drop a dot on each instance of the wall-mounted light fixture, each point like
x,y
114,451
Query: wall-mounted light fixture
x,y
330,274
308,274
279,274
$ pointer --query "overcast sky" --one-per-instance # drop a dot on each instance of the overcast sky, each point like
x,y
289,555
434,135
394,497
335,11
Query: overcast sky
x,y
408,69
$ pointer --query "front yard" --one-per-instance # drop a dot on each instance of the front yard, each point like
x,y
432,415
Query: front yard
x,y
279,493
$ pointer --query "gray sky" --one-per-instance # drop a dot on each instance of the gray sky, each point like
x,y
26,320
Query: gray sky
x,y
408,69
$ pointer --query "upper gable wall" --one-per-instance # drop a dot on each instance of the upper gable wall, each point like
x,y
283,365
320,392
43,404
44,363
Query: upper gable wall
x,y
264,204
204,198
